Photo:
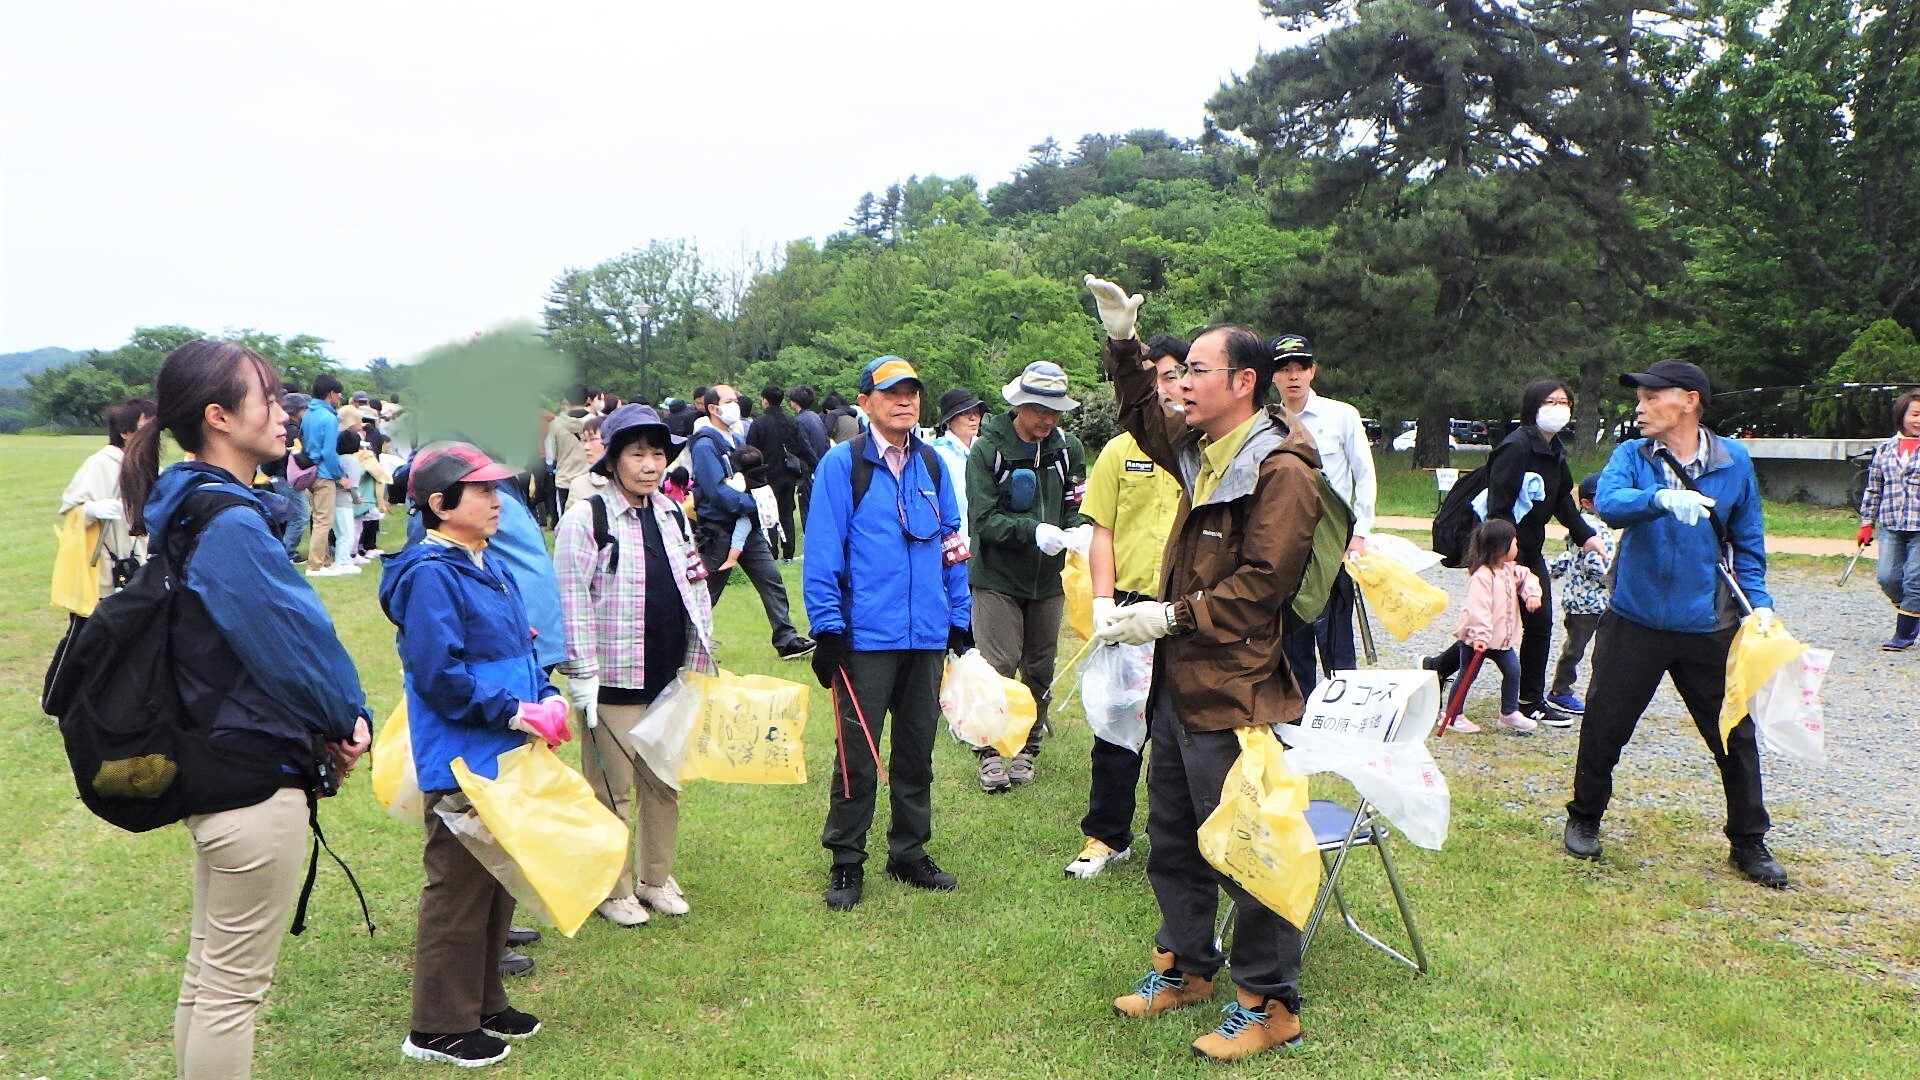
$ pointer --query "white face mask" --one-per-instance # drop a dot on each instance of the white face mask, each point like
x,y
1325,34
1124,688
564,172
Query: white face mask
x,y
1553,419
730,413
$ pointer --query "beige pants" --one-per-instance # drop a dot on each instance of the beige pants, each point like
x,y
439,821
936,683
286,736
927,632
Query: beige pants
x,y
613,770
247,868
320,540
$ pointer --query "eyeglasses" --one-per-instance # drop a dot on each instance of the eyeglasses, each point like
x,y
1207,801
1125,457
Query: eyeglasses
x,y
1181,371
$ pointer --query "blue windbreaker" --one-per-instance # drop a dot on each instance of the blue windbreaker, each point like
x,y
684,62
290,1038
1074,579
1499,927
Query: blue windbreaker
x,y
320,439
521,550
863,571
1664,575
466,657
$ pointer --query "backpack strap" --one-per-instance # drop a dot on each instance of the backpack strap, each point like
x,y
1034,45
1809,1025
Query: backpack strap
x,y
313,871
603,531
863,469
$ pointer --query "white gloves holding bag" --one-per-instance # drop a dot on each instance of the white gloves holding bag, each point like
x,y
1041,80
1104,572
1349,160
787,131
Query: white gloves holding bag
x,y
1135,624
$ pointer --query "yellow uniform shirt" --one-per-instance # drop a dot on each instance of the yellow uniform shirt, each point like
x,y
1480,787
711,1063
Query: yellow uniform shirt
x,y
1215,456
1137,500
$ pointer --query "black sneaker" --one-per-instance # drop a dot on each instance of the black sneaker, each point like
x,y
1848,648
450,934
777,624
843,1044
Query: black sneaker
x,y
1582,838
795,649
923,874
844,885
510,1023
1543,713
1752,858
521,935
515,964
467,1049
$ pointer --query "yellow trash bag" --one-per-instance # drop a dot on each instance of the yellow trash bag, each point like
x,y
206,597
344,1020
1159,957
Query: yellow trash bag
x,y
396,784
539,830
1259,836
76,580
1751,662
985,708
1077,579
748,731
1397,596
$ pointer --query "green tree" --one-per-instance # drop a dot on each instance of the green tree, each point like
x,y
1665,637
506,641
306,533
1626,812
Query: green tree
x,y
1885,352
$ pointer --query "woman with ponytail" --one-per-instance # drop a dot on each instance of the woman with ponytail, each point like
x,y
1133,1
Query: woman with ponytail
x,y
257,663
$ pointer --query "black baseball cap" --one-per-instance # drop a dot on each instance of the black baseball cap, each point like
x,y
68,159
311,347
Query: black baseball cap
x,y
1665,373
1288,348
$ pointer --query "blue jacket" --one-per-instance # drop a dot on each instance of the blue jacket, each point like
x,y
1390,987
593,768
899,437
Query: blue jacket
x,y
521,549
295,678
714,503
863,571
1664,575
320,439
466,657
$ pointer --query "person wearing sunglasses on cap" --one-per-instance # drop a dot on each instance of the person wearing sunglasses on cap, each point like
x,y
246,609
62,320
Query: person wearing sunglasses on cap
x,y
885,585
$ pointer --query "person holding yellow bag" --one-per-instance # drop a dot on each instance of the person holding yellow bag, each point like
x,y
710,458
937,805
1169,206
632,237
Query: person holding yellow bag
x,y
474,691
637,613
94,494
1237,553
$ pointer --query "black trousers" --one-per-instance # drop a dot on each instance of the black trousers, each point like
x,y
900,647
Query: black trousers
x,y
783,495
756,561
906,684
1536,632
1628,662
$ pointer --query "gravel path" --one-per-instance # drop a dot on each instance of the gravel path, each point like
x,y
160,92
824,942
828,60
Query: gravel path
x,y
1857,814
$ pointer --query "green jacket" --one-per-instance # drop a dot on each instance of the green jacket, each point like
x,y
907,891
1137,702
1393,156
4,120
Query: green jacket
x,y
1005,559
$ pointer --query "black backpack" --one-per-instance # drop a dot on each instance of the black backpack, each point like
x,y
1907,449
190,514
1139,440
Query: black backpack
x,y
1456,520
604,539
138,760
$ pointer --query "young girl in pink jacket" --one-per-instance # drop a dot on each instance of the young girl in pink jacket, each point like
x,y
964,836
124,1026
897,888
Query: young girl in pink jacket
x,y
1490,624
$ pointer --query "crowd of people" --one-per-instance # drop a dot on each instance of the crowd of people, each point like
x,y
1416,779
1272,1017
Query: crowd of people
x,y
1198,524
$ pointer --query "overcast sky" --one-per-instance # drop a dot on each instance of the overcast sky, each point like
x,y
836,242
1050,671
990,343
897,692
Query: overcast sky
x,y
393,175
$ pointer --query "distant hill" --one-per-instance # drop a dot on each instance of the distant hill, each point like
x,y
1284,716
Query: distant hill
x,y
15,367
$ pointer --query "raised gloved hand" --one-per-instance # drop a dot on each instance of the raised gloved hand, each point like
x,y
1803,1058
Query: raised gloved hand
x,y
959,640
1103,609
829,652
1137,624
1763,619
1865,535
1118,311
545,720
1050,539
584,692
103,510
1690,507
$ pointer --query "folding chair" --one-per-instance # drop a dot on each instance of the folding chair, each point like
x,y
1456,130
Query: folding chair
x,y
1337,830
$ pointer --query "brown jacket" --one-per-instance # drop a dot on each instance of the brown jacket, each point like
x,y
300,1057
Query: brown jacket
x,y
1233,562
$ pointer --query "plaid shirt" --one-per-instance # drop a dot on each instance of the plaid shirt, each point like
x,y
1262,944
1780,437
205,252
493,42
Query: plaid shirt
x,y
1892,498
605,614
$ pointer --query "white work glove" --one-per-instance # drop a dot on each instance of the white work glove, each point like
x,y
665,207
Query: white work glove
x,y
584,692
1118,311
103,510
1050,539
1080,538
1103,609
1763,620
1137,624
1690,507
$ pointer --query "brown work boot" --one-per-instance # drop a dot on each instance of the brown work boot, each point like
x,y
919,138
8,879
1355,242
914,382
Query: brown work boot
x,y
1254,1025
1162,990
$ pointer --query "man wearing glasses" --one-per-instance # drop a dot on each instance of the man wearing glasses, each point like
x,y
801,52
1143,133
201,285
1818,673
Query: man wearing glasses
x,y
885,586
1238,548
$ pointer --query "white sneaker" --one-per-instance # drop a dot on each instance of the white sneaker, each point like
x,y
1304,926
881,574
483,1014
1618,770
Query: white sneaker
x,y
325,571
345,568
666,899
1464,726
361,560
1519,723
622,911
1094,858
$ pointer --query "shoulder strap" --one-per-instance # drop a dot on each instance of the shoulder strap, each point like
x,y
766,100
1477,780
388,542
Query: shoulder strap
x,y
603,531
197,511
862,468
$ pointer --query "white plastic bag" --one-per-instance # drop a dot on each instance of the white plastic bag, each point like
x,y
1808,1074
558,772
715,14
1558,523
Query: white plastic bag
x,y
662,736
1399,778
1403,551
982,707
1113,691
1787,712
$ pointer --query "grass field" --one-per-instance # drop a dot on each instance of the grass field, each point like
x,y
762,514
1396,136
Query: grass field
x,y
1542,966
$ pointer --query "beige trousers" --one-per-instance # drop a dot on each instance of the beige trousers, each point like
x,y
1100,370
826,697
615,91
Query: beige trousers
x,y
247,868
320,540
613,770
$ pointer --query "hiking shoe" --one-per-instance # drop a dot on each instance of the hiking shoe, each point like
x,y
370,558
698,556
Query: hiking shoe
x,y
514,965
510,1023
1566,703
1544,713
467,1049
1437,661
1162,990
1020,769
923,874
795,649
522,935
994,777
1094,858
1582,838
1254,1024
844,885
622,911
1464,726
666,899
1517,723
1752,858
